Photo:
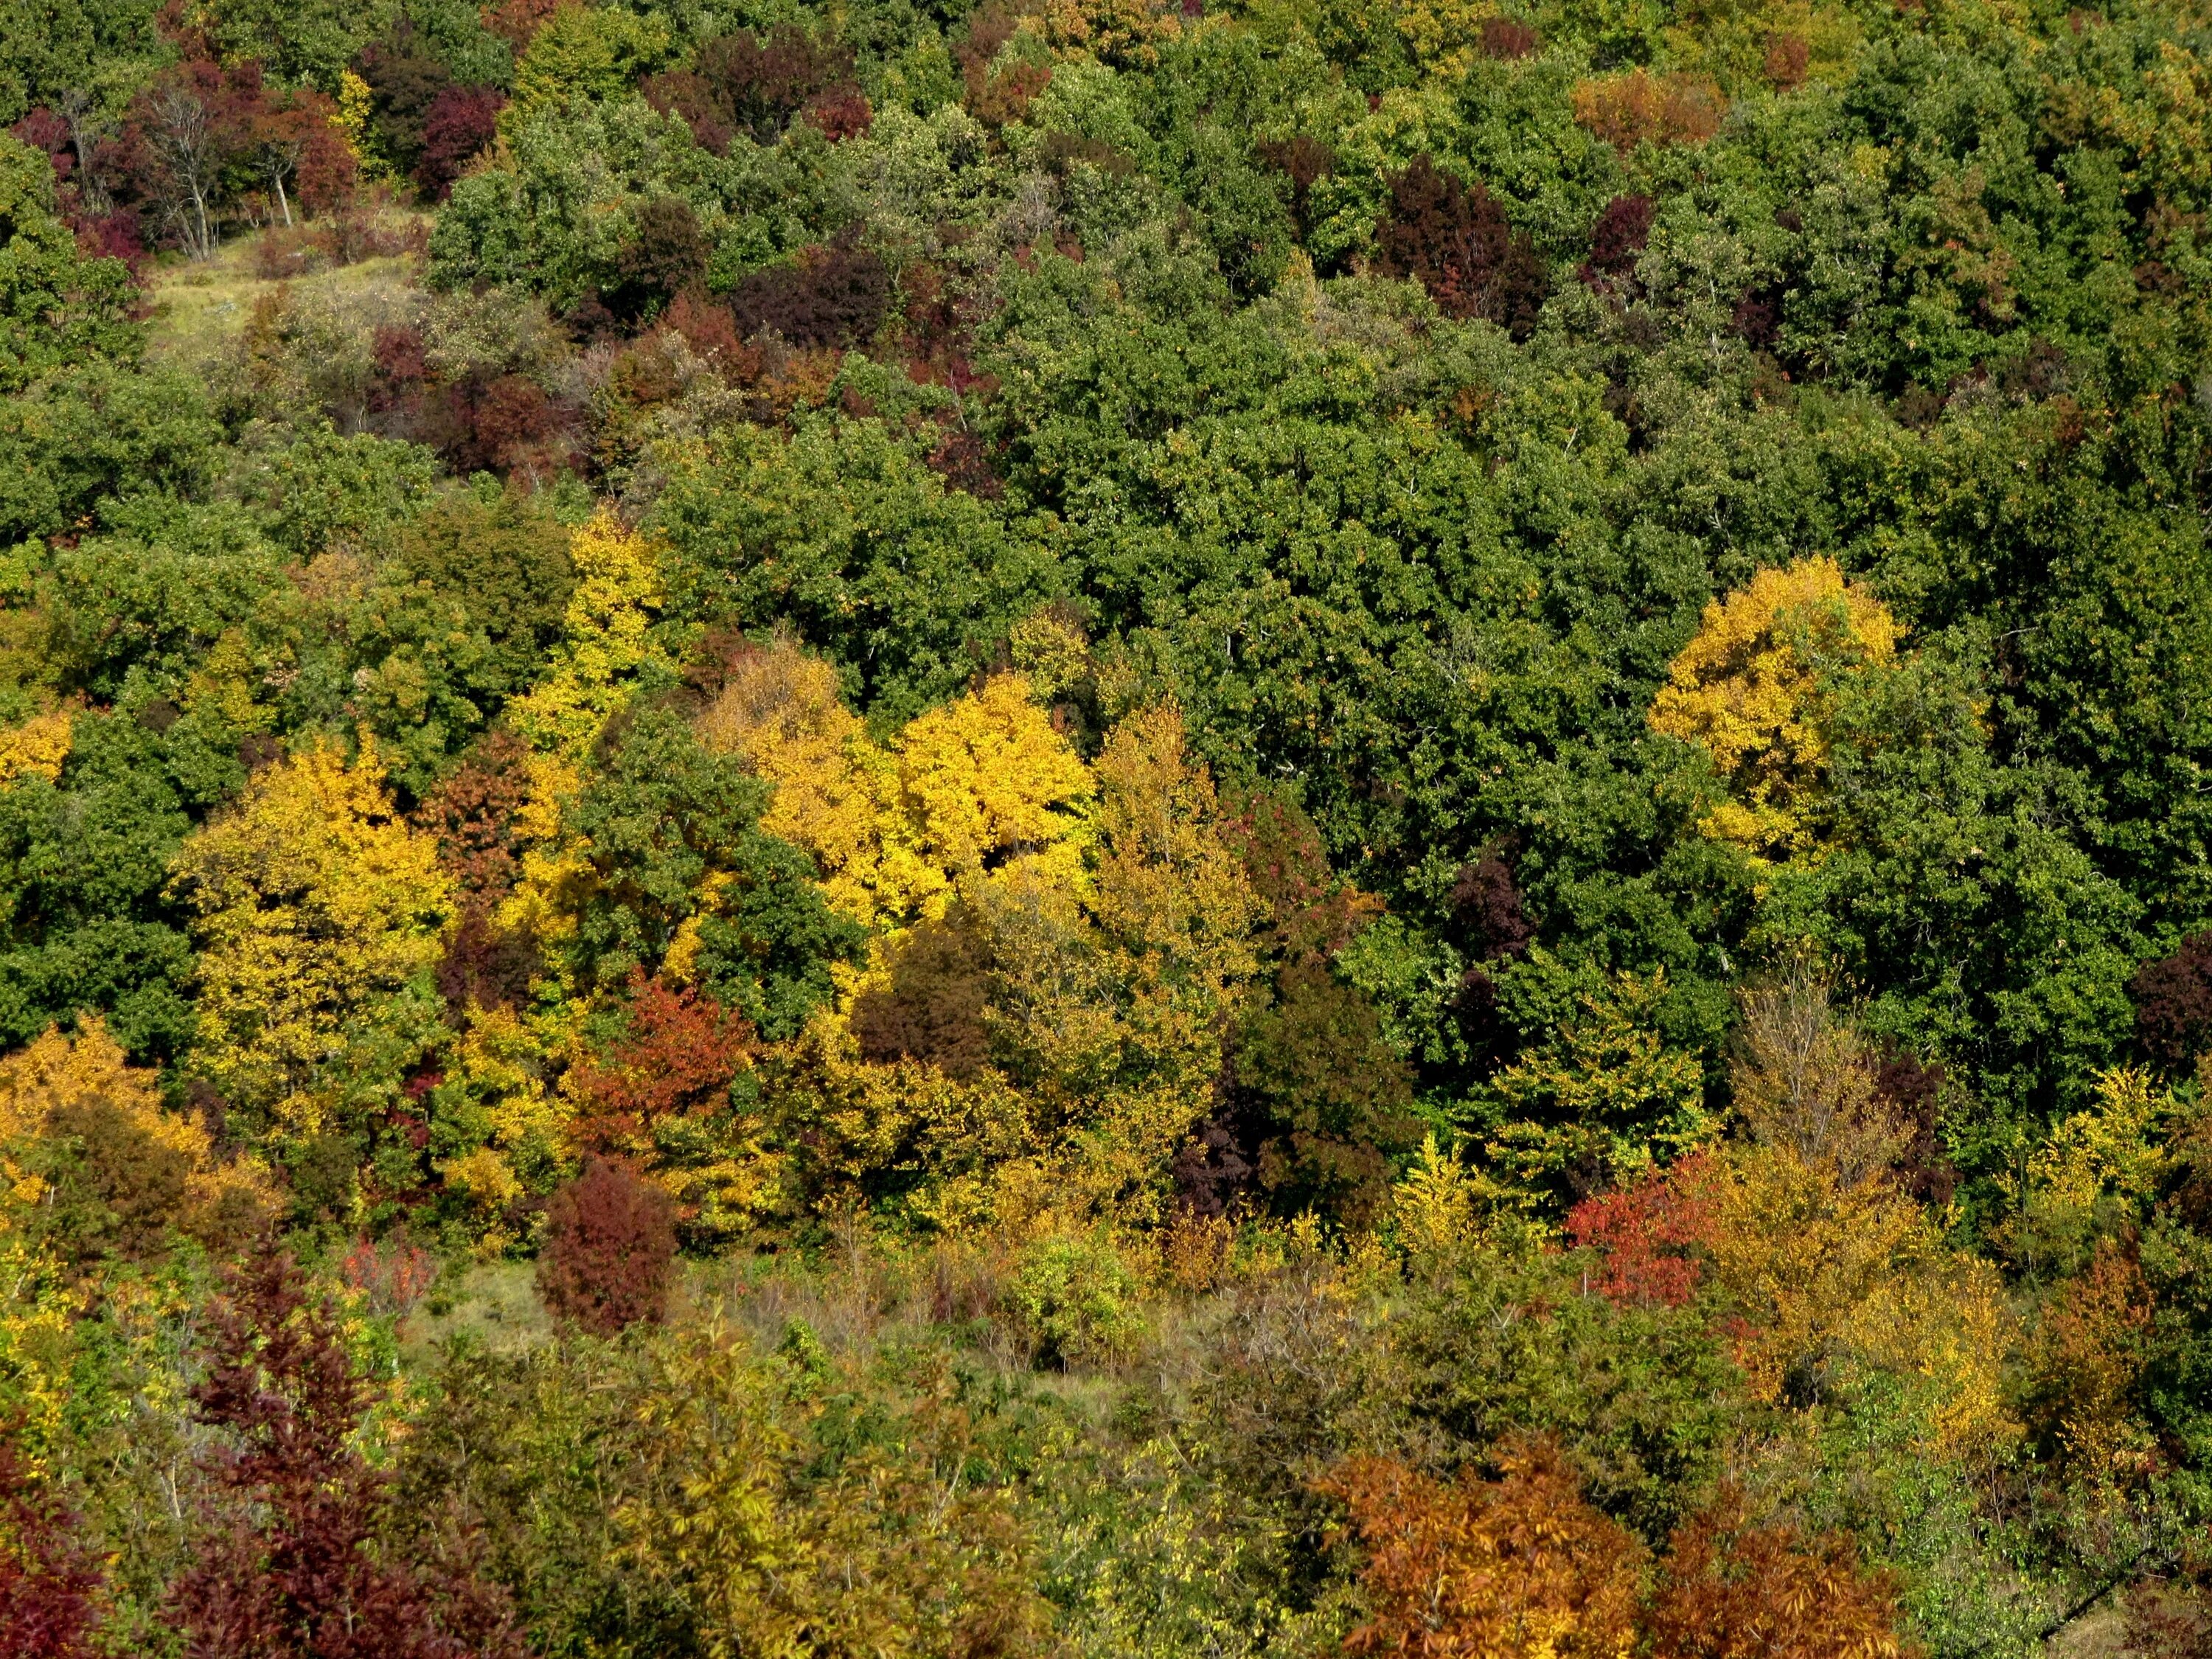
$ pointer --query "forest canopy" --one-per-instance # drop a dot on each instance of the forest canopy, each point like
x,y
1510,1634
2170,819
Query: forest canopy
x,y
1105,827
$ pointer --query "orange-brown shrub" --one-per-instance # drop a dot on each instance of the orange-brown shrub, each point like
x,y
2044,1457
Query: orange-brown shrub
x,y
1520,1564
1640,107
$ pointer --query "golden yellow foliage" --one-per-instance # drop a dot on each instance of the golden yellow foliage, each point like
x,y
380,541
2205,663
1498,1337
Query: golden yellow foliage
x,y
1827,1277
313,901
985,779
606,640
37,747
1749,690
85,1087
1433,1207
982,780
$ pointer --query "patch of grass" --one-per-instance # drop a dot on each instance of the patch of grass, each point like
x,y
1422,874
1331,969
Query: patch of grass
x,y
201,306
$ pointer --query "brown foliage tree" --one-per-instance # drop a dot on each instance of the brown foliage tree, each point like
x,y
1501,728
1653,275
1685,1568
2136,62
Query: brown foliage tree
x,y
609,1250
1454,240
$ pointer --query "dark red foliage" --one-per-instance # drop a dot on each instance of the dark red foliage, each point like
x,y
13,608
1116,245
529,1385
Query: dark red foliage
x,y
743,84
1914,1091
1507,38
1487,917
834,296
840,113
1454,240
609,1250
1617,242
2173,1002
681,1053
399,370
1758,319
933,1009
666,252
486,965
460,122
288,1567
49,1580
407,78
1647,1230
962,460
505,423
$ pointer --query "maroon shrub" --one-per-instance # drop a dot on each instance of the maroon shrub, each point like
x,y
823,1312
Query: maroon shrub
x,y
1507,38
48,1577
460,122
287,1565
2174,1002
609,1250
1454,240
1617,242
835,294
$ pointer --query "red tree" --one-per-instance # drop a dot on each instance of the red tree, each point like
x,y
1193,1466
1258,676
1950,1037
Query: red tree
x,y
609,1250
1647,1230
679,1057
288,1568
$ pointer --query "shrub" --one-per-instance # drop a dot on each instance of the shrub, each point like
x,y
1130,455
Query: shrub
x,y
1640,107
610,1251
2173,1002
1507,38
1454,240
1074,1301
1480,1566
1728,1589
834,296
48,1576
288,1568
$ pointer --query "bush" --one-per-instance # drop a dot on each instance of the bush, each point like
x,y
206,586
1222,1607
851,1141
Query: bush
x,y
1454,240
1074,1300
610,1251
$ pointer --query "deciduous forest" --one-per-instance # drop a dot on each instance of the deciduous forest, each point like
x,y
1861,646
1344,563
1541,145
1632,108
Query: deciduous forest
x,y
1105,828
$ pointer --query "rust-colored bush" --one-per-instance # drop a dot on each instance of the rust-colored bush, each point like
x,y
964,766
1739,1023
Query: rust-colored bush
x,y
1507,38
1481,1569
1728,1590
609,1250
1640,107
681,1053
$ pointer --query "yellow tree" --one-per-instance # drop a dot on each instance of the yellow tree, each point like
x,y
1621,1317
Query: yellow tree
x,y
1752,690
314,901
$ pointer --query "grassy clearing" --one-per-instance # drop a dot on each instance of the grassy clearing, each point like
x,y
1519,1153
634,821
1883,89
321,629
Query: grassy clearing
x,y
200,307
